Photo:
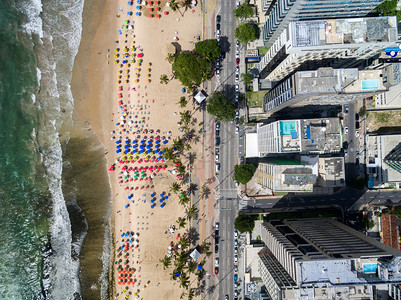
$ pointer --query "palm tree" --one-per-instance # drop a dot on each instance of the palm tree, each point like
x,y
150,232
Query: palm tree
x,y
187,4
185,117
170,58
173,5
181,222
166,261
184,242
169,154
163,79
175,187
183,102
184,199
191,294
184,280
181,169
178,144
192,211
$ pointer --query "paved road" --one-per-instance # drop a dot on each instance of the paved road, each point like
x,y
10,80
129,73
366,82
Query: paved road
x,y
227,205
351,168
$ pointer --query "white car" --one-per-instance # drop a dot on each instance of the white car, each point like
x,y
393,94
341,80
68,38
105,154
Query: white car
x,y
237,70
235,251
345,153
357,133
216,262
346,130
217,33
236,87
235,234
217,157
237,43
235,269
235,259
235,243
217,72
217,168
236,53
236,129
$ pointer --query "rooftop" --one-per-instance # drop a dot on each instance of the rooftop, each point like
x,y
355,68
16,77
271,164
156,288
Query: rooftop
x,y
320,135
343,31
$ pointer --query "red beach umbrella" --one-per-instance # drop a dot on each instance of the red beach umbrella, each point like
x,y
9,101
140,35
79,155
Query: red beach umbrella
x,y
150,16
150,9
166,13
157,8
157,16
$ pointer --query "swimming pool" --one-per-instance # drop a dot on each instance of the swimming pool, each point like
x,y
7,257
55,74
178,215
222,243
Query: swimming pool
x,y
370,84
286,127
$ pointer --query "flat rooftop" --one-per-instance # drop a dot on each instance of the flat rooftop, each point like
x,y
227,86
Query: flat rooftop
x,y
343,31
320,135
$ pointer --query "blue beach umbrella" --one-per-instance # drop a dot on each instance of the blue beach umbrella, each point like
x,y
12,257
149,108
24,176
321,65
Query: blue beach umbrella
x,y
163,205
122,235
157,142
149,151
142,141
130,235
126,234
142,151
118,142
126,151
149,142
130,241
162,194
164,142
200,267
137,14
157,146
122,247
148,146
152,206
127,141
138,1
127,206
166,197
129,13
142,146
138,7
161,200
134,151
118,151
153,200
130,197
126,146
129,3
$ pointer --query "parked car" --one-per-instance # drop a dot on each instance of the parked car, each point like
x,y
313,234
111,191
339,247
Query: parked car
x,y
217,72
236,129
218,33
226,297
235,234
346,130
237,88
216,157
237,43
216,270
216,262
218,19
236,97
357,133
218,26
237,61
217,125
217,141
236,250
235,259
235,279
217,133
217,226
357,154
216,248
346,108
345,153
237,53
217,168
236,77
235,269
236,243
237,70
237,113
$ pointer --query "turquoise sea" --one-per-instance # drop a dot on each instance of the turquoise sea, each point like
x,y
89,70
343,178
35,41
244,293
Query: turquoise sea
x,y
53,215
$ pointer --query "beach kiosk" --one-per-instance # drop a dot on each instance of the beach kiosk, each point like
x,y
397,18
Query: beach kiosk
x,y
200,97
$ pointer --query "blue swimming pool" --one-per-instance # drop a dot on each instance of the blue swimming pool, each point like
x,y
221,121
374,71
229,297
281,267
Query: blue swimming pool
x,y
370,84
286,127
369,268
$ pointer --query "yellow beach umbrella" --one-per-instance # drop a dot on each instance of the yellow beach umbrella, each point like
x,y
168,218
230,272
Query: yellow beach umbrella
x,y
126,81
147,70
127,71
136,80
147,75
148,81
149,64
137,75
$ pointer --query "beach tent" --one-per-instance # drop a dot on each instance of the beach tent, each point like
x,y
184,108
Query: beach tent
x,y
200,97
195,254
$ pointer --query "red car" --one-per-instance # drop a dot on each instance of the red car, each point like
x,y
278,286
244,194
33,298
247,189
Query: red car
x,y
216,270
237,61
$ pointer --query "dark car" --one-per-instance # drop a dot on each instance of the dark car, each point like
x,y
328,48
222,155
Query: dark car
x,y
218,19
216,248
345,145
217,141
216,240
216,270
223,55
218,26
217,133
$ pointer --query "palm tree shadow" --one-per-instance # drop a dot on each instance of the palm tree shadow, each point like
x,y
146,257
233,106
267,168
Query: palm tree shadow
x,y
193,235
192,188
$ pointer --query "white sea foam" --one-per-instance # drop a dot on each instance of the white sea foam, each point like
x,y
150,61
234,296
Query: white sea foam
x,y
58,23
32,9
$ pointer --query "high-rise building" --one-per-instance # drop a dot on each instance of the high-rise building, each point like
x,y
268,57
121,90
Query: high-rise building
x,y
393,159
280,12
325,86
324,259
300,136
339,43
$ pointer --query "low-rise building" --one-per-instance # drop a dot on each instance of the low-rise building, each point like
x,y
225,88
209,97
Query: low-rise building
x,y
389,230
383,160
300,136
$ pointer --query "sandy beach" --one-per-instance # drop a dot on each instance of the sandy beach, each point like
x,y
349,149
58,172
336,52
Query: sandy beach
x,y
130,109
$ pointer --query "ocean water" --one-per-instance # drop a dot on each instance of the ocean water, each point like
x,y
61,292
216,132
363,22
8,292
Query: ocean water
x,y
42,224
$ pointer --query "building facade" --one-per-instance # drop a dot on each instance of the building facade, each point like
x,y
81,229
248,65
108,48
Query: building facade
x,y
324,258
338,43
279,13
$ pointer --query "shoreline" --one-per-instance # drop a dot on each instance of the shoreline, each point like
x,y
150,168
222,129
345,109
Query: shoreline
x,y
96,102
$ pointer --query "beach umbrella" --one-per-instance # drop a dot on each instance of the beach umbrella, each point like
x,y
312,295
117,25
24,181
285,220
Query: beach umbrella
x,y
166,13
126,206
150,16
161,200
129,3
126,22
137,14
153,200
148,81
150,9
157,16
157,8
152,206
138,7
129,13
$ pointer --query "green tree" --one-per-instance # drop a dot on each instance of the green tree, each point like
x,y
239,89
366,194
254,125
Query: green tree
x,y
208,49
190,69
178,144
166,261
243,173
247,32
241,121
192,211
191,294
184,199
244,223
357,183
247,78
175,187
169,154
220,107
181,222
183,102
186,117
174,5
362,111
163,79
243,10
170,58
184,242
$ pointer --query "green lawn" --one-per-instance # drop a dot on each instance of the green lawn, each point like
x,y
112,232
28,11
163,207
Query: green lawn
x,y
255,99
262,50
